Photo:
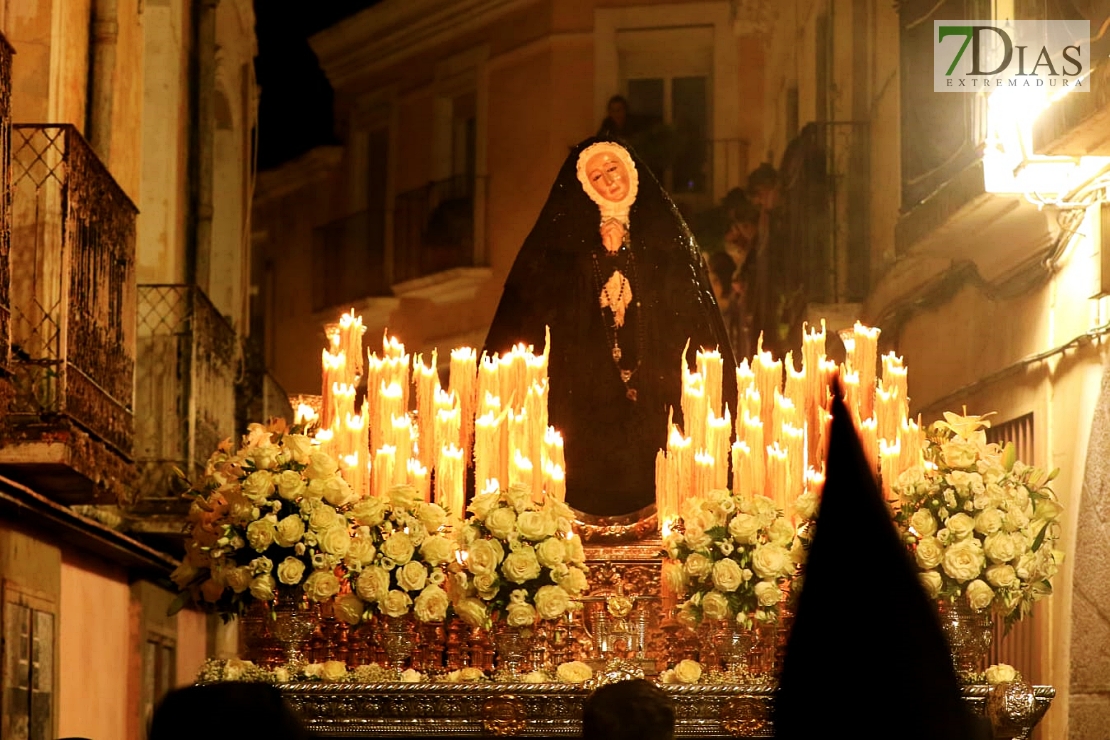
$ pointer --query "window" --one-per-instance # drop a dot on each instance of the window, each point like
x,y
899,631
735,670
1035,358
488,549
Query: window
x,y
1022,647
666,75
159,672
27,681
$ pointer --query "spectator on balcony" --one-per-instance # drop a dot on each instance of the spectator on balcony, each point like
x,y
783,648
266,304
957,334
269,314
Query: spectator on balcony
x,y
611,269
619,122
763,186
743,229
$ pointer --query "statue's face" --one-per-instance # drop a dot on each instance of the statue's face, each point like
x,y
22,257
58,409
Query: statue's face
x,y
608,176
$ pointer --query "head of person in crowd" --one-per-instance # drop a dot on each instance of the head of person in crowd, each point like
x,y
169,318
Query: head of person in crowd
x,y
628,710
226,711
721,268
763,186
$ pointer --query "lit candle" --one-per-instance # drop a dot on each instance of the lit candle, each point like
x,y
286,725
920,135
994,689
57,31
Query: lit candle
x,y
487,449
555,483
793,442
679,450
489,381
354,472
333,368
350,344
391,347
784,413
776,475
742,482
305,416
745,378
418,479
375,375
815,484
520,471
889,455
464,384
755,439
718,433
661,492
796,388
427,380
768,381
711,368
695,409
385,460
449,479
325,439
850,380
870,442
867,351
704,473
402,440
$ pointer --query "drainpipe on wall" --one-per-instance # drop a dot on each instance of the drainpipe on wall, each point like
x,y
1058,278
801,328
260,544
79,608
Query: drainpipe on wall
x,y
105,32
206,141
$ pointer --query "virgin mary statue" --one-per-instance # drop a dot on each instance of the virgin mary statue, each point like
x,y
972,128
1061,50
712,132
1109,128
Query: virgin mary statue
x,y
612,269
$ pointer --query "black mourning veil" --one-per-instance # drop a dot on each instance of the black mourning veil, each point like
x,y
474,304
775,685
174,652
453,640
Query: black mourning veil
x,y
611,440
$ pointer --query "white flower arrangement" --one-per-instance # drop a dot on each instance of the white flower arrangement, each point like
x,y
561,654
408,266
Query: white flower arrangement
x,y
401,569
732,554
685,672
519,560
268,520
981,525
332,671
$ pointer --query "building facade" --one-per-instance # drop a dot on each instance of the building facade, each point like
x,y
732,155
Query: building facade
x,y
969,228
455,118
127,153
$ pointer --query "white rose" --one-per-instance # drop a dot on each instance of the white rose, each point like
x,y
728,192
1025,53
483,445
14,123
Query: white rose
x,y
552,602
687,671
398,548
404,497
437,549
431,604
932,582
472,611
337,492
1000,547
348,608
988,521
573,580
574,672
520,615
298,447
697,539
259,484
715,606
290,571
959,454
929,553
534,677
521,566
281,675
290,485
336,541
320,466
501,523
361,551
483,557
1001,673
239,579
411,675
373,583
321,585
432,516
771,561
727,575
674,575
806,505
764,510
1015,520
260,534
395,604
235,668
961,526
551,552
979,594
322,517
536,525
575,551
923,523
519,497
964,560
289,531
744,528
412,576
262,587
370,512
333,670
483,504
698,565
767,593
781,532
1002,576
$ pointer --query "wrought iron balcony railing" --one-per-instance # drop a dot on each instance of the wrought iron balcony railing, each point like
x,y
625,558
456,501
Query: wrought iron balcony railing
x,y
433,227
187,363
5,198
349,260
72,294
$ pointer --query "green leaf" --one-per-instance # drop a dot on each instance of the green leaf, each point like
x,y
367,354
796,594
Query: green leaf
x,y
1052,476
179,603
1009,456
1039,539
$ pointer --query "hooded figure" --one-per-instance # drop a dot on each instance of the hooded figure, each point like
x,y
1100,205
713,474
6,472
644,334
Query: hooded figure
x,y
612,269
874,661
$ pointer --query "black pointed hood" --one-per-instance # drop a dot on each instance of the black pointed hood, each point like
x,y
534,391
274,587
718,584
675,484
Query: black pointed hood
x,y
866,655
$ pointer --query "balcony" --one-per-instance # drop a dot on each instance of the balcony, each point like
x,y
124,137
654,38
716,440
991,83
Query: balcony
x,y
349,261
5,206
72,257
818,244
438,236
187,364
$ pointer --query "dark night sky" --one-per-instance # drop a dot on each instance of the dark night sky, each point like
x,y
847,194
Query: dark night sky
x,y
295,111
